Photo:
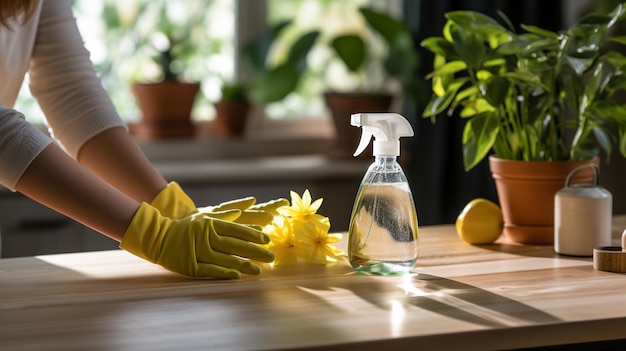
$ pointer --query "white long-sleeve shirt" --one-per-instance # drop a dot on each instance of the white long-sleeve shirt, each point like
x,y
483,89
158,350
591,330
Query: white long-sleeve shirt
x,y
62,79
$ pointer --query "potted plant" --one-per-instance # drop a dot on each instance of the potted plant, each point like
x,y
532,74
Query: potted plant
x,y
379,73
165,105
156,47
267,82
535,99
231,111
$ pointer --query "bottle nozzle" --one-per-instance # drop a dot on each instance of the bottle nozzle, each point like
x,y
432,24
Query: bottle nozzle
x,y
386,128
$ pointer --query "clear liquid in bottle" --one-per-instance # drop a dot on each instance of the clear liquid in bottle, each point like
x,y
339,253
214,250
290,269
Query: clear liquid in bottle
x,y
383,233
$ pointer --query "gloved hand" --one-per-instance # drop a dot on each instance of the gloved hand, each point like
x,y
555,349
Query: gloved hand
x,y
196,245
174,203
251,213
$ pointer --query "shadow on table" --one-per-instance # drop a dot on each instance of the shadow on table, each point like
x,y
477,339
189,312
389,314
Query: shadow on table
x,y
442,296
471,304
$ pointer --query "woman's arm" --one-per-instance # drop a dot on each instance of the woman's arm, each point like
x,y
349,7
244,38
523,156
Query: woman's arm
x,y
114,157
78,109
196,245
57,181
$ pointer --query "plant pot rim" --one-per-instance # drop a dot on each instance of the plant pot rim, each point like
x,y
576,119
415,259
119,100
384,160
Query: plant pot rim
x,y
534,169
356,94
232,101
167,82
494,158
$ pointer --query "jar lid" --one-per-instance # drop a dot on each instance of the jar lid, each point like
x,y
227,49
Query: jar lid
x,y
584,191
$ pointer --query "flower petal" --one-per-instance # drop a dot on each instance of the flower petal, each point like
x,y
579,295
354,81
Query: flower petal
x,y
316,205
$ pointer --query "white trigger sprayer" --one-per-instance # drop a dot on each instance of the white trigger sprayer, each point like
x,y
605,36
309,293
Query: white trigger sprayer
x,y
386,128
382,238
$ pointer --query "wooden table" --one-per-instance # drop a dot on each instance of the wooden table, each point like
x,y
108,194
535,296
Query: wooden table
x,y
499,296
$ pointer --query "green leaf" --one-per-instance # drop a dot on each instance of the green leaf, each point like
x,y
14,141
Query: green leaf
x,y
274,85
513,47
112,16
255,52
614,58
469,93
572,86
476,22
300,49
233,91
608,111
603,20
438,104
539,31
622,139
616,83
618,39
592,87
495,90
449,68
440,46
524,77
603,139
388,27
584,150
479,135
543,44
351,49
401,60
474,107
468,45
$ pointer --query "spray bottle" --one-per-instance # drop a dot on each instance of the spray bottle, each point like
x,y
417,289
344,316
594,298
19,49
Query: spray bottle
x,y
383,232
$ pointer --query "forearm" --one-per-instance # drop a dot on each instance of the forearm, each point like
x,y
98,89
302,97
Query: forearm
x,y
57,181
114,156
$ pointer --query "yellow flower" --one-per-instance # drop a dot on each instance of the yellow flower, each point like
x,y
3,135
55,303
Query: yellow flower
x,y
299,233
286,246
302,210
318,244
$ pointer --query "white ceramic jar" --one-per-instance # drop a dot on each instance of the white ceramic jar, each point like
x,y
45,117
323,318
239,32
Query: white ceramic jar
x,y
582,216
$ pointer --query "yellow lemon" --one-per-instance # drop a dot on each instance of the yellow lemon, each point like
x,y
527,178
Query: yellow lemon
x,y
480,222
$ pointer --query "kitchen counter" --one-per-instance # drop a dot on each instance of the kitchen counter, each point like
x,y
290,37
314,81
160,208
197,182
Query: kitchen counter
x,y
459,296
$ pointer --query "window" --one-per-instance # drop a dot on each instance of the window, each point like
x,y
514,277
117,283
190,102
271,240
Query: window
x,y
113,31
324,71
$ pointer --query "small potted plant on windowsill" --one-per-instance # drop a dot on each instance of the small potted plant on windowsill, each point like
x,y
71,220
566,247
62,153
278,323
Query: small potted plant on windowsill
x,y
166,101
267,82
536,99
165,105
380,73
157,44
231,111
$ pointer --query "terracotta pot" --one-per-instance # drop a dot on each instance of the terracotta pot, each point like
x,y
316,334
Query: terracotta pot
x,y
231,117
165,109
341,106
526,193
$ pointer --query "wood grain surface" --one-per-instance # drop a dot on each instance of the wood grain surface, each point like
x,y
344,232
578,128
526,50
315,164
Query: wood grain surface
x,y
499,296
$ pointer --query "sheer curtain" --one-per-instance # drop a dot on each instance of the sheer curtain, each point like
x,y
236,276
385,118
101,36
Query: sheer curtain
x,y
440,184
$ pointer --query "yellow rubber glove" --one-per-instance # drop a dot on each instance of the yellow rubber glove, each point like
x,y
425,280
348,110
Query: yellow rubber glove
x,y
196,245
174,203
251,213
